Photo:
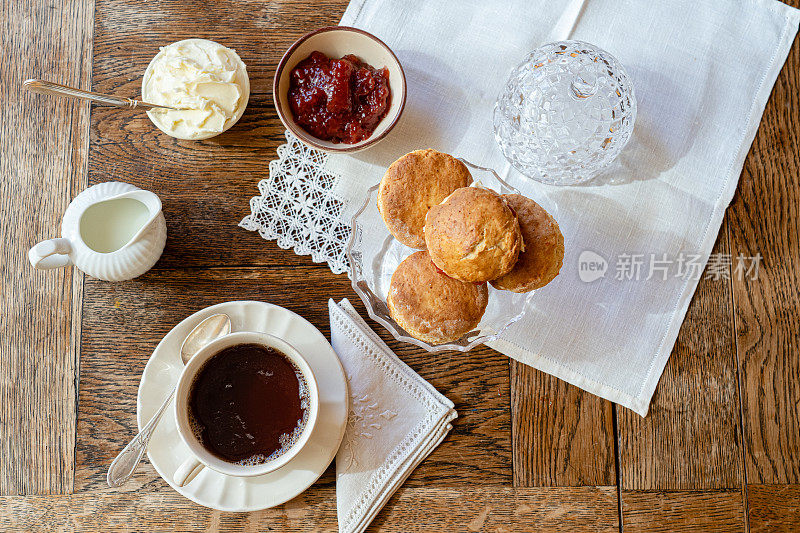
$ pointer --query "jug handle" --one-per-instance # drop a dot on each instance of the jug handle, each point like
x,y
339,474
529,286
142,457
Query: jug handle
x,y
53,253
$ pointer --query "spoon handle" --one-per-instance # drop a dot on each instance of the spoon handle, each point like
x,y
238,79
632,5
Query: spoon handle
x,y
48,87
125,463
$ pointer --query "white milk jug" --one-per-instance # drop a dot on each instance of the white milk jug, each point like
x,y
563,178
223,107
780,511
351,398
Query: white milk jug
x,y
112,231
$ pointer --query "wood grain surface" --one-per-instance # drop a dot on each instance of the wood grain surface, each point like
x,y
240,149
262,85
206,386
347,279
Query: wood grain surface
x,y
719,451
711,511
774,508
563,436
690,439
43,142
497,509
763,219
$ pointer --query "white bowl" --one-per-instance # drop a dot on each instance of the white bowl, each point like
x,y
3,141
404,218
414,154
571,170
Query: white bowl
x,y
336,42
242,79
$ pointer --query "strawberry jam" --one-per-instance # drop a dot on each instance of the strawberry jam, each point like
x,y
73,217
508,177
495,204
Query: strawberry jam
x,y
338,100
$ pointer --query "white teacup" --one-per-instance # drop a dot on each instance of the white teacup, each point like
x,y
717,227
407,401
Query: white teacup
x,y
200,457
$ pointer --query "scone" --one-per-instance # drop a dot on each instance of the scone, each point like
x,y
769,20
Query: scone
x,y
412,185
473,235
431,306
543,256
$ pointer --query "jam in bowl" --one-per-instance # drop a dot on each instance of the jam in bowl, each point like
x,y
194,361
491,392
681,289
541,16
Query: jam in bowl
x,y
338,100
339,89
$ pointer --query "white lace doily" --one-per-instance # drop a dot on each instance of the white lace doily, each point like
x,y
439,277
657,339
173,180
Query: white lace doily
x,y
298,207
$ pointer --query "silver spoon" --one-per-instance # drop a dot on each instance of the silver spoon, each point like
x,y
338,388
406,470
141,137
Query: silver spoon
x,y
48,87
125,463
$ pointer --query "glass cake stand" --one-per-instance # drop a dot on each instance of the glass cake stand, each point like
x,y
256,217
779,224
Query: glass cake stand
x,y
374,254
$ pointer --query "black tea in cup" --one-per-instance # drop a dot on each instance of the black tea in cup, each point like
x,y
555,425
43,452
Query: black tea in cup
x,y
248,404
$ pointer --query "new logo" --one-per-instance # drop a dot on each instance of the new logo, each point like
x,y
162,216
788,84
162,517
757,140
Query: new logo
x,y
591,266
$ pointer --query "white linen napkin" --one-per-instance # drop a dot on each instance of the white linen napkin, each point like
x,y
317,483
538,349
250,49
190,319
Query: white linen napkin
x,y
702,72
396,420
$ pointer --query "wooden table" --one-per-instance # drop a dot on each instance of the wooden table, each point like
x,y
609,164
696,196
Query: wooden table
x,y
719,451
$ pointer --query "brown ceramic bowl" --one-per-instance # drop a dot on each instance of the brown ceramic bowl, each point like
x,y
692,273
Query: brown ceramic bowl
x,y
338,41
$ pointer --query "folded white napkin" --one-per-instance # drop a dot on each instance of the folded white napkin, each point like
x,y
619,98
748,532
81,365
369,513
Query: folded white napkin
x,y
702,72
396,420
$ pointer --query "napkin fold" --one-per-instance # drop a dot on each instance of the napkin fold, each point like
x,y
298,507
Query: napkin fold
x,y
396,420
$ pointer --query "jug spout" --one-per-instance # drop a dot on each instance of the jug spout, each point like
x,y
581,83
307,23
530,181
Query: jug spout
x,y
153,204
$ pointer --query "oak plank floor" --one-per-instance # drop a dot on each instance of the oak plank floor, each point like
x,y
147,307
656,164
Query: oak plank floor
x,y
764,219
563,436
773,508
712,511
500,509
719,451
690,439
43,142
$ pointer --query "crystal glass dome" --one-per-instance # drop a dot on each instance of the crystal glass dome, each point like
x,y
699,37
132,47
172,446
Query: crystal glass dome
x,y
565,113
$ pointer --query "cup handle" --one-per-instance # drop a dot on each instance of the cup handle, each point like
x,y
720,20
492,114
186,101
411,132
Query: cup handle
x,y
187,471
53,253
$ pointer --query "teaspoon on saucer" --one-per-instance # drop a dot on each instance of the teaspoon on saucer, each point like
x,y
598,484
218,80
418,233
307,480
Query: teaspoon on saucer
x,y
48,87
125,463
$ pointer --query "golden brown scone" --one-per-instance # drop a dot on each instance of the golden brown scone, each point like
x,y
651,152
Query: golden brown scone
x,y
412,185
431,306
473,235
543,256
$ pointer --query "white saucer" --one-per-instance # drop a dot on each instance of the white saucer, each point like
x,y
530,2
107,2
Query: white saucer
x,y
225,493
